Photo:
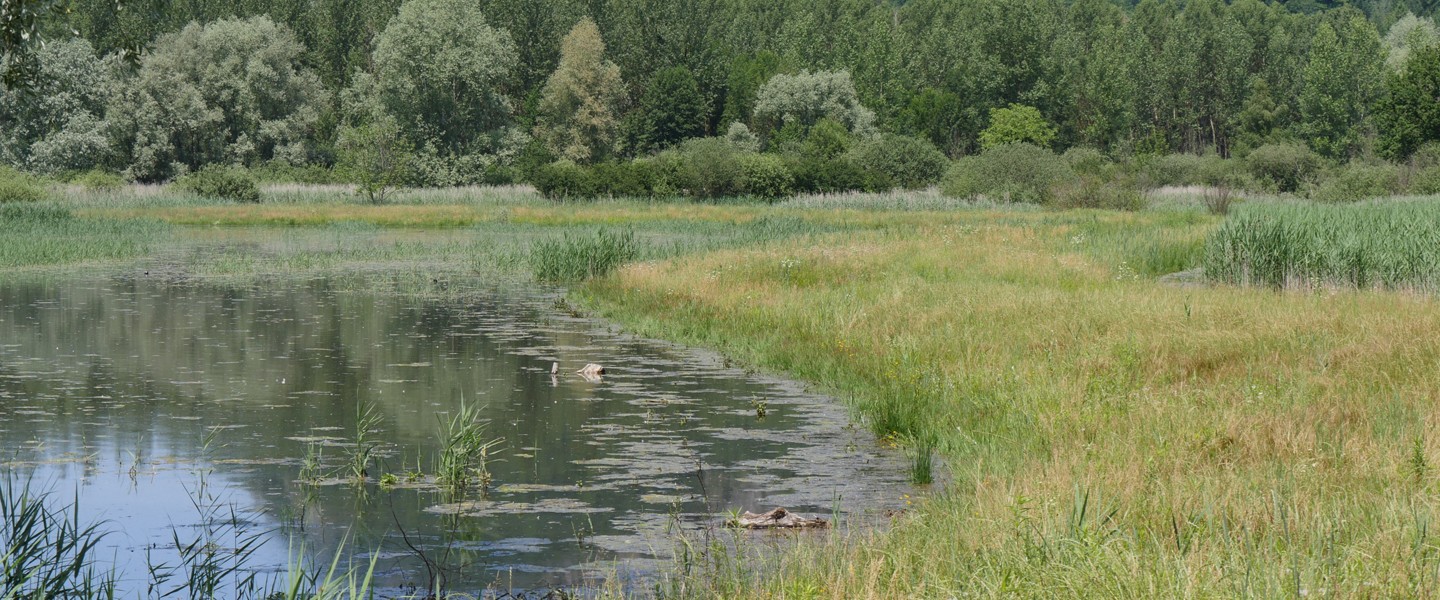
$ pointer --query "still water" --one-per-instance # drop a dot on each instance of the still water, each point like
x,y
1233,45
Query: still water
x,y
177,408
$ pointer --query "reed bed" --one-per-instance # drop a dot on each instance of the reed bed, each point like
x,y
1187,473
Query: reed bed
x,y
1383,244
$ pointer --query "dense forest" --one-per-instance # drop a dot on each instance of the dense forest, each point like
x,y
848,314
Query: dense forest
x,y
487,91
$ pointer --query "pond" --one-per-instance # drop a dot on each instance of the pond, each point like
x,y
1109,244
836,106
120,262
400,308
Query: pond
x,y
183,410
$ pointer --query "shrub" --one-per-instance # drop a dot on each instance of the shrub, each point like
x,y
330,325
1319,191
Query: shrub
x,y
705,168
19,187
97,180
577,257
1008,173
1425,182
826,140
1359,182
221,182
634,179
765,176
815,175
909,162
742,138
1283,167
1092,191
1173,169
1087,161
563,180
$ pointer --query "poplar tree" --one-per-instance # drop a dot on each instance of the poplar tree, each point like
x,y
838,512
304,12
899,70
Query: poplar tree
x,y
578,108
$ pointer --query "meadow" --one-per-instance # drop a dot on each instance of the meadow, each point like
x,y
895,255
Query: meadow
x,y
1096,426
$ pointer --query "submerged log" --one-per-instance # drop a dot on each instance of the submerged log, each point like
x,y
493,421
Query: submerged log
x,y
592,370
776,519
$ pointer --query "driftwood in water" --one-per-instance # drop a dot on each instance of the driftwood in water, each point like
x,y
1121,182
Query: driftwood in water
x,y
592,369
777,519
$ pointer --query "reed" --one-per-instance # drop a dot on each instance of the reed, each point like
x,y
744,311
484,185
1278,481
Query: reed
x,y
1383,244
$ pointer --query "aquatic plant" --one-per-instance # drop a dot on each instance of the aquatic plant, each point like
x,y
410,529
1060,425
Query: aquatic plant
x,y
1392,244
576,257
367,421
465,453
45,550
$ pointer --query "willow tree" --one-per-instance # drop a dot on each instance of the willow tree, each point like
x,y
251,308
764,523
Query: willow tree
x,y
579,106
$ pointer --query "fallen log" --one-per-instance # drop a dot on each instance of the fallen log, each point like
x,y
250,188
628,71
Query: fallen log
x,y
776,519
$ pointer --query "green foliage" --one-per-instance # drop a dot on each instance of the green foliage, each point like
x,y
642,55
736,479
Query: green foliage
x,y
1409,115
1008,173
1087,161
1358,181
1283,167
705,168
580,103
233,91
1406,35
1017,124
99,181
19,187
742,84
765,176
671,111
1390,244
582,256
820,176
221,182
911,163
1342,81
740,136
439,67
376,156
937,115
56,123
626,179
1172,169
564,180
806,98
1092,191
827,140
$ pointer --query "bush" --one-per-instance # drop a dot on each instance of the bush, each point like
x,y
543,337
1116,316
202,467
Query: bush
x,y
1173,169
828,139
1359,182
1425,182
563,180
705,168
765,176
1092,191
97,180
222,182
577,257
1008,173
1087,161
634,179
814,175
19,187
909,162
1283,167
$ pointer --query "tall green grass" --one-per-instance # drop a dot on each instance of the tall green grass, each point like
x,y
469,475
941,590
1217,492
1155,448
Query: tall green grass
x,y
38,234
577,257
1390,244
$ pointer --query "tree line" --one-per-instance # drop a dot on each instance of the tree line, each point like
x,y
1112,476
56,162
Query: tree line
x,y
466,91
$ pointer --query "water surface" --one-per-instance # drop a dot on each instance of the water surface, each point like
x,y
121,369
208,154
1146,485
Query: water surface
x,y
151,395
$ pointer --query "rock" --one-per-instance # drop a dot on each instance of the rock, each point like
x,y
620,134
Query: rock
x,y
776,519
